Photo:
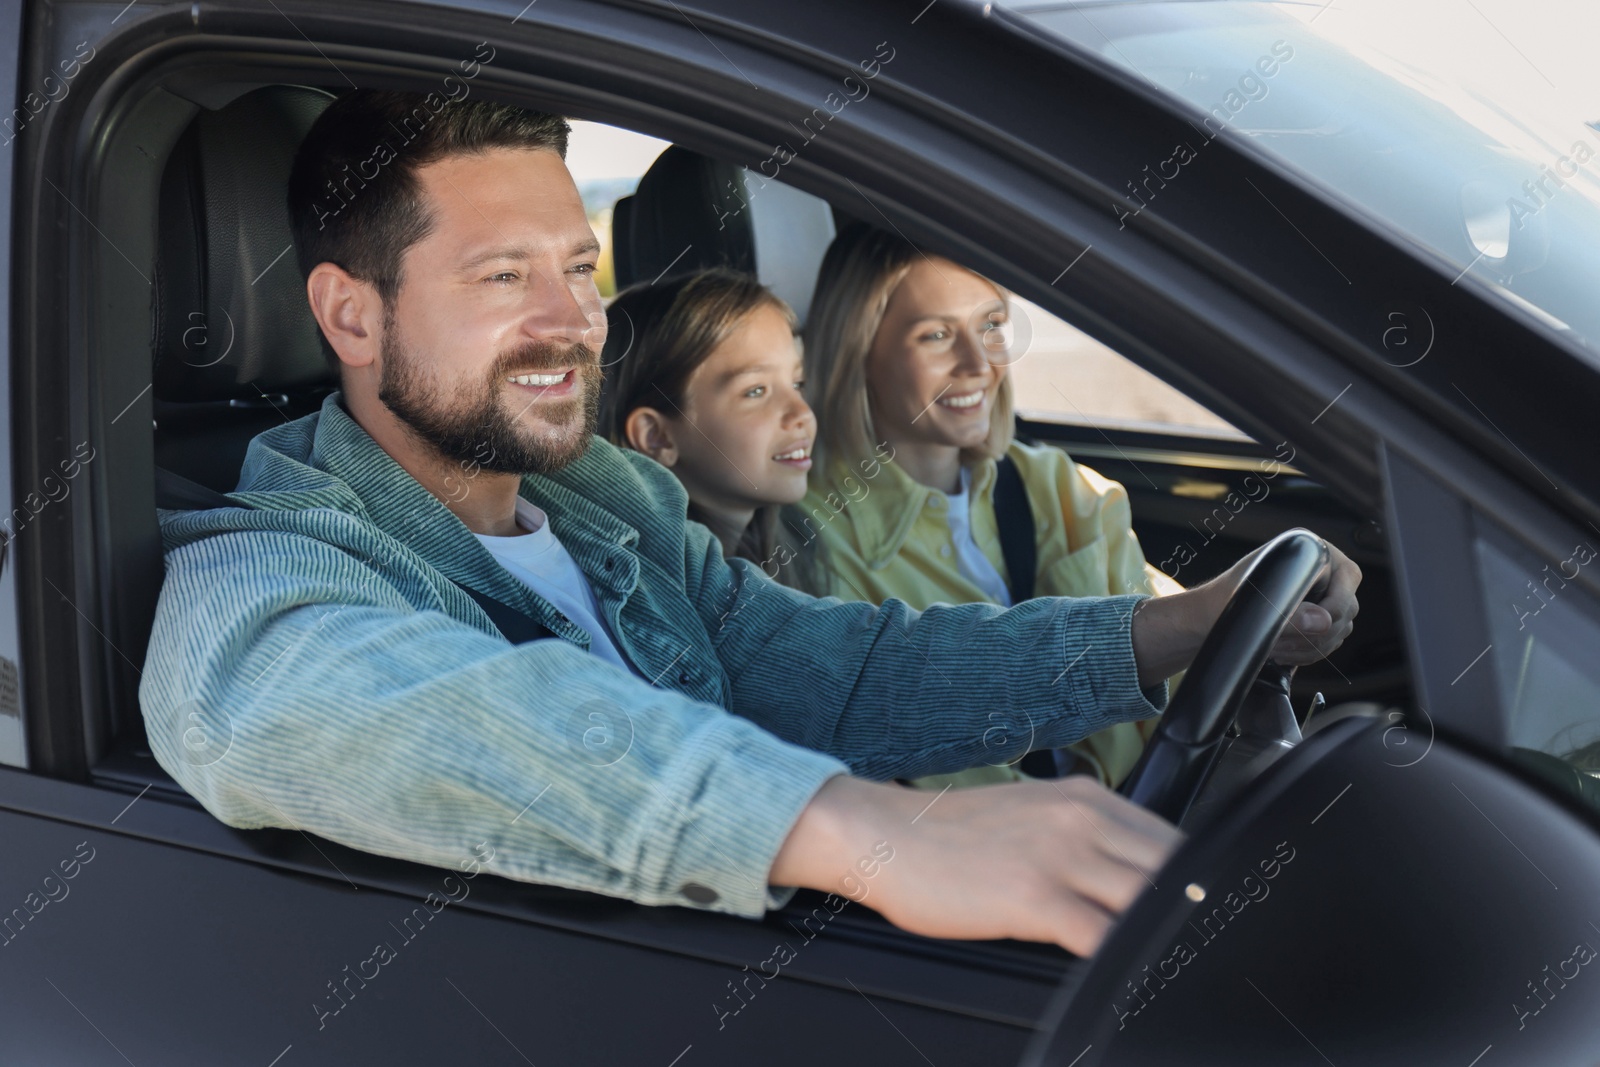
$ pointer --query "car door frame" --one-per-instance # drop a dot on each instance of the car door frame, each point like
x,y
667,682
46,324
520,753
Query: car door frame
x,y
11,98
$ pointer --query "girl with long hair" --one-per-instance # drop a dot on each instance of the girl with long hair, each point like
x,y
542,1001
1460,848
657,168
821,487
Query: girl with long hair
x,y
704,375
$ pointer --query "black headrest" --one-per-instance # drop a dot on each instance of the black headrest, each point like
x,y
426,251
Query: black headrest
x,y
691,212
231,316
688,214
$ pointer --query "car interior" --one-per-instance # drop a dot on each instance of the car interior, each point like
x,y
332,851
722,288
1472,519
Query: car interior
x,y
234,352
155,278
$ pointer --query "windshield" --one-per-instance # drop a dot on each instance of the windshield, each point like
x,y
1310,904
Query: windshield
x,y
1505,186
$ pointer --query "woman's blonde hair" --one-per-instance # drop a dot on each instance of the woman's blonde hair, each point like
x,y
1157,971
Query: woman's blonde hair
x,y
863,267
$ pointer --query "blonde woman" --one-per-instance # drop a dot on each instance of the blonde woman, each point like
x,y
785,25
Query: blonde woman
x,y
906,357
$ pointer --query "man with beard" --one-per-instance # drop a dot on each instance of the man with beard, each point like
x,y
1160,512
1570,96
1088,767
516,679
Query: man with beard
x,y
679,729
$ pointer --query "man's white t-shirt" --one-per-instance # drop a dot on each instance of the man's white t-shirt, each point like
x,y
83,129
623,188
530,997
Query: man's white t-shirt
x,y
539,561
970,559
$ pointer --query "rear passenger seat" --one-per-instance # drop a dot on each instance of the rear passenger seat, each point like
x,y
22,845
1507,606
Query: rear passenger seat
x,y
691,212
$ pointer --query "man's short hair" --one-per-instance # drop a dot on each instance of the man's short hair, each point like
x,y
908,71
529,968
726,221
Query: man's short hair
x,y
354,199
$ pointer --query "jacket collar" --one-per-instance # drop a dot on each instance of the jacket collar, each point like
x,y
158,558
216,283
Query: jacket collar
x,y
898,501
353,473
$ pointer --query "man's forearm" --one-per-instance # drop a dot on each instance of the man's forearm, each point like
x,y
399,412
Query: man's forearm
x,y
844,821
1036,860
848,815
880,691
1167,631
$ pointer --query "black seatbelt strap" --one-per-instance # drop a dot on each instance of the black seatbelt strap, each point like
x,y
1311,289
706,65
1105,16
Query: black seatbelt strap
x,y
177,493
1014,515
517,627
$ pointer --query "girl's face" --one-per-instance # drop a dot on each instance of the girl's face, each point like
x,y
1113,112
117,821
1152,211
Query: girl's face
x,y
744,438
938,357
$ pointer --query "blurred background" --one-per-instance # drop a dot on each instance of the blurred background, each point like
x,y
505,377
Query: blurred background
x,y
1538,60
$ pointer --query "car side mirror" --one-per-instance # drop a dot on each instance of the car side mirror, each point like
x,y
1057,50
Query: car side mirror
x,y
1506,230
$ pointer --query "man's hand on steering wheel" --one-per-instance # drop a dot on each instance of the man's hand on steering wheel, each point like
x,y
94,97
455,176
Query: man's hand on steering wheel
x,y
1292,601
1315,629
1168,630
1049,861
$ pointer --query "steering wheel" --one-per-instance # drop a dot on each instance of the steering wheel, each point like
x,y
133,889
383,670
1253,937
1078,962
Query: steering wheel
x,y
1179,756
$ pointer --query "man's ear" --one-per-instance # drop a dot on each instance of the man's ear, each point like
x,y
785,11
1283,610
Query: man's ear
x,y
648,431
348,311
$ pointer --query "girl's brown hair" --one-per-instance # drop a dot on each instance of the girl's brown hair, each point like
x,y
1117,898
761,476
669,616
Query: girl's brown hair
x,y
658,335
863,267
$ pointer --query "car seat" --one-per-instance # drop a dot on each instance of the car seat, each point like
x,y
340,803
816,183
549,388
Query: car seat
x,y
691,212
236,347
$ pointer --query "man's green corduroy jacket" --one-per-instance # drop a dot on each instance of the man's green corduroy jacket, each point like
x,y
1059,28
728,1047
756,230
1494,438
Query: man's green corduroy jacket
x,y
313,664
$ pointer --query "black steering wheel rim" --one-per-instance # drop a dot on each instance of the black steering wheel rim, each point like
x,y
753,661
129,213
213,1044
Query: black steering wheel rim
x,y
1180,753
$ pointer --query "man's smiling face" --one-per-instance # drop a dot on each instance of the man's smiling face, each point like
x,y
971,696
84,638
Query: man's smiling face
x,y
490,352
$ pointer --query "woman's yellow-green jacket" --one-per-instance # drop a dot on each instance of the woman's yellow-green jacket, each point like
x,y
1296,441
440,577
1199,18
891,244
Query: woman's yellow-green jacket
x,y
885,535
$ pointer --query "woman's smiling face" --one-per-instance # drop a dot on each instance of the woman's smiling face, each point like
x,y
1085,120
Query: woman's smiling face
x,y
938,357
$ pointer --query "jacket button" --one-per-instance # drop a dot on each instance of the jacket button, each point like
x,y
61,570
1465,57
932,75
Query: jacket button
x,y
684,677
700,894
610,563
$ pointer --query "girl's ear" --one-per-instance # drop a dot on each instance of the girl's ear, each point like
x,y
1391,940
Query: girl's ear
x,y
648,431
